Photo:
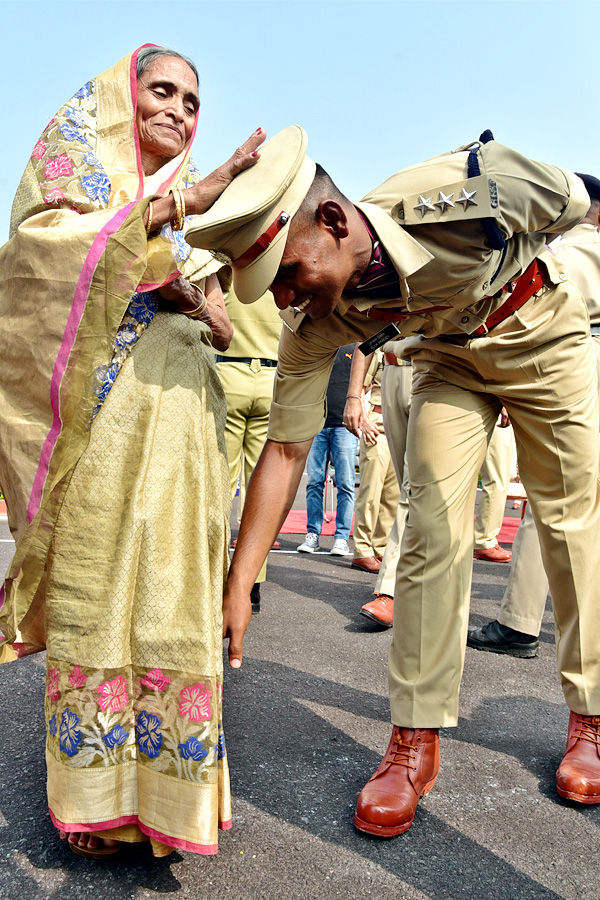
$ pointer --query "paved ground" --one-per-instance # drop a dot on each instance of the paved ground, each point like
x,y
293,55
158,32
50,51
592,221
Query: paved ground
x,y
306,721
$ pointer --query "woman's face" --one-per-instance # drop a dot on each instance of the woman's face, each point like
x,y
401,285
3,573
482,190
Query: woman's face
x,y
167,107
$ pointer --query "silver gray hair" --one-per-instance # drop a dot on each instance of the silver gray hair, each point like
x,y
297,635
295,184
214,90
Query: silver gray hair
x,y
147,55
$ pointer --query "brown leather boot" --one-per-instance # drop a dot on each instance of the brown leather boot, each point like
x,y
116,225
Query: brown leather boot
x,y
387,803
578,776
380,610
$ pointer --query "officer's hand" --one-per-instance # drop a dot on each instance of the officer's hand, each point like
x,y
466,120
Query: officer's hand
x,y
237,611
353,413
504,420
369,429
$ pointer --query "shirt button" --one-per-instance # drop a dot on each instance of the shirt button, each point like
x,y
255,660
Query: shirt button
x,y
465,319
563,276
484,286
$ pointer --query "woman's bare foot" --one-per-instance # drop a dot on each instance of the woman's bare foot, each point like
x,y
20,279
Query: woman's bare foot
x,y
90,843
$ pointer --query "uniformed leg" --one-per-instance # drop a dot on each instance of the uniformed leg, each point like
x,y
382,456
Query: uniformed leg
x,y
447,439
373,463
395,400
550,392
495,478
525,596
558,462
257,423
237,384
388,502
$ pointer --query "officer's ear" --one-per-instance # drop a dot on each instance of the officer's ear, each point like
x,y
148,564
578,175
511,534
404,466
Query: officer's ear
x,y
333,217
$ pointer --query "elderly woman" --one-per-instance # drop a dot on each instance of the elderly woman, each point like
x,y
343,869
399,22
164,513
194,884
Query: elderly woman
x,y
112,459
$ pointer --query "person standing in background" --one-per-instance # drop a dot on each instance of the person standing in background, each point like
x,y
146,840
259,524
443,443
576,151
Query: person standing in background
x,y
247,372
378,494
334,441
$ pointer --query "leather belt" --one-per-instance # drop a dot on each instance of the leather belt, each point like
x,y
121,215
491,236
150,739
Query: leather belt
x,y
530,282
248,360
390,359
376,407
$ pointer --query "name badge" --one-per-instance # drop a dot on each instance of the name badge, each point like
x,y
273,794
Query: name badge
x,y
389,333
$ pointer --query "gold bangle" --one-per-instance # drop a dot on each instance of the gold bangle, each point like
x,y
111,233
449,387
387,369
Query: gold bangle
x,y
179,220
196,313
149,222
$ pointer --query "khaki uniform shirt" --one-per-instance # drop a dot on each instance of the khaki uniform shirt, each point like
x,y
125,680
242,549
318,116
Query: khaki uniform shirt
x,y
256,328
579,251
442,257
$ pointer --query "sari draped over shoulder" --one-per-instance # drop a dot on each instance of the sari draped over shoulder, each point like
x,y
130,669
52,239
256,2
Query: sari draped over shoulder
x,y
113,466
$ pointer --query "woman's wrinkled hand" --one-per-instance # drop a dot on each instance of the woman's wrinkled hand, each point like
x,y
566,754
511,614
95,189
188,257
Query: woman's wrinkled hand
x,y
186,298
201,196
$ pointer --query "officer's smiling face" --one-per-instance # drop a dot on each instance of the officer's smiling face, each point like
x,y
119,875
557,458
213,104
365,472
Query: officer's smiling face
x,y
318,264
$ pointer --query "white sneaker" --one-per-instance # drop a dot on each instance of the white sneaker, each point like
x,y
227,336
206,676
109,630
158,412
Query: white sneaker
x,y
311,543
340,548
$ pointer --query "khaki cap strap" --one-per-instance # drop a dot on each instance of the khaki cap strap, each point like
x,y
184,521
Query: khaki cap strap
x,y
263,241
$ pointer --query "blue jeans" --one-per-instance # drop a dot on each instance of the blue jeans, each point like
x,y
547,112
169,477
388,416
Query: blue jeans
x,y
341,445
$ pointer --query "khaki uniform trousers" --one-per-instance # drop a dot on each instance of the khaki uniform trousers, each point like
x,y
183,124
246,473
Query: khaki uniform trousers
x,y
395,402
540,364
524,600
495,479
249,391
376,498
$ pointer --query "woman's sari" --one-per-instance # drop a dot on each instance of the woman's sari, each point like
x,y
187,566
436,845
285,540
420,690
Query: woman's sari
x,y
112,463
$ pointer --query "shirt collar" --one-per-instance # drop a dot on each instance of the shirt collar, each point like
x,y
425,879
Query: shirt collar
x,y
406,254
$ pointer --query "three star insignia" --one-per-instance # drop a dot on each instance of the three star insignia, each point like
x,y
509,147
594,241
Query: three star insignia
x,y
444,202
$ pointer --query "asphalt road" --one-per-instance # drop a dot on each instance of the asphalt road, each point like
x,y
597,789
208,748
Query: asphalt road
x,y
306,719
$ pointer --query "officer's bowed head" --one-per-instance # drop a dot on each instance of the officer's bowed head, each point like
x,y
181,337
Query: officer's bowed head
x,y
247,226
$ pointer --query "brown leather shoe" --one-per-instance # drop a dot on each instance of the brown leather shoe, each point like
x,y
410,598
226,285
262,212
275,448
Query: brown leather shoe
x,y
578,776
367,564
380,610
493,554
387,803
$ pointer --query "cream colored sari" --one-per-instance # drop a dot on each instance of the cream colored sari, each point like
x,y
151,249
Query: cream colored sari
x,y
118,499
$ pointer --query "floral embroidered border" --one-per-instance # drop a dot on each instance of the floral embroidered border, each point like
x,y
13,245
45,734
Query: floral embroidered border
x,y
166,720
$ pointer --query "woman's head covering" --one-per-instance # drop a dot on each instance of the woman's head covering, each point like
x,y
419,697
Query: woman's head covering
x,y
88,159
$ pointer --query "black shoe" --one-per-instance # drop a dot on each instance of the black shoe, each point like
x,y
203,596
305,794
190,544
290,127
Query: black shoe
x,y
499,638
255,598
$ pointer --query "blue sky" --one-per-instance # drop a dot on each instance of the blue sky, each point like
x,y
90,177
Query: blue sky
x,y
377,85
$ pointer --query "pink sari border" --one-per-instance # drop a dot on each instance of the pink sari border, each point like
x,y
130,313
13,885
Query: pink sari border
x,y
92,826
136,139
179,843
169,840
155,285
79,300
